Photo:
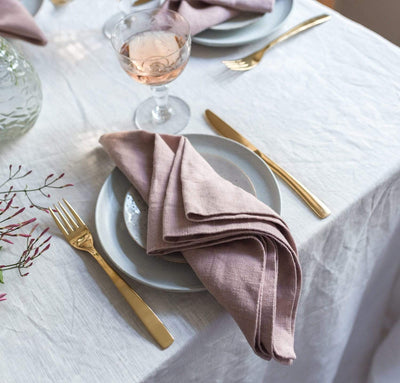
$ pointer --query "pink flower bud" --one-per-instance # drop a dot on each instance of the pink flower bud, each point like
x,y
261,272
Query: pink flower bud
x,y
29,221
9,204
27,173
43,232
45,249
18,212
12,225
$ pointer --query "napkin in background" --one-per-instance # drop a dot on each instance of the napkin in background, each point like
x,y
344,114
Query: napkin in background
x,y
17,22
203,14
239,248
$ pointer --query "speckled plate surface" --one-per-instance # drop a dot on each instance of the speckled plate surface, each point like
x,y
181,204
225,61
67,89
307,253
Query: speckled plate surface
x,y
131,259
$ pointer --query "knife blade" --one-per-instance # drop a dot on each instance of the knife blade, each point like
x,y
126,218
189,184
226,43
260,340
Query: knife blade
x,y
318,207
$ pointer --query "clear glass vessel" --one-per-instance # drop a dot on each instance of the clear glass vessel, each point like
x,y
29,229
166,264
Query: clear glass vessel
x,y
153,48
126,7
20,92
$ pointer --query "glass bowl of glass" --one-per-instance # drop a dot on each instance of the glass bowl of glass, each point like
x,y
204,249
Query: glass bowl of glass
x,y
126,7
153,48
20,92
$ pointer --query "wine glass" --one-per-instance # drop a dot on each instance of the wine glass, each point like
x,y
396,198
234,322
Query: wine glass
x,y
126,7
153,47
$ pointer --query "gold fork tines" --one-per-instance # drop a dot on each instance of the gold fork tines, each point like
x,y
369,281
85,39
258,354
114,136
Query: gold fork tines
x,y
253,59
78,235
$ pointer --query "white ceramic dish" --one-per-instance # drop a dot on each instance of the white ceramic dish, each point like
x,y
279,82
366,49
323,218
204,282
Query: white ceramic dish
x,y
240,21
266,25
32,6
135,209
129,258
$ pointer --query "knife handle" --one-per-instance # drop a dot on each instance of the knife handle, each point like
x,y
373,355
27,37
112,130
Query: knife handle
x,y
318,207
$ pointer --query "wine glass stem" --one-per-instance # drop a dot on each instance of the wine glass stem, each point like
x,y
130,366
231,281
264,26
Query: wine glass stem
x,y
162,111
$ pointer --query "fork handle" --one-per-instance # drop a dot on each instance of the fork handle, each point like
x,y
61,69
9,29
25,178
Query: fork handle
x,y
151,321
297,29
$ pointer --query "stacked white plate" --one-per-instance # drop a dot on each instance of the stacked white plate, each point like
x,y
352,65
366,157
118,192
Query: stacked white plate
x,y
245,28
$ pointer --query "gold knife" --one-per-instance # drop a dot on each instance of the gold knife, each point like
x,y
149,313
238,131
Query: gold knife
x,y
140,2
318,207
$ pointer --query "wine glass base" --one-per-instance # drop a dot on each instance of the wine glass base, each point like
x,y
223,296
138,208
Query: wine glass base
x,y
179,115
110,23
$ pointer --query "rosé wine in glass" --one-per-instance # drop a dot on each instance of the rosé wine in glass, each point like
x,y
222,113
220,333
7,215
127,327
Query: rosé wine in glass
x,y
153,48
156,57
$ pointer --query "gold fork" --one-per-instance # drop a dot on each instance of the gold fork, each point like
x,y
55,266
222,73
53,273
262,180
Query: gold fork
x,y
78,235
252,60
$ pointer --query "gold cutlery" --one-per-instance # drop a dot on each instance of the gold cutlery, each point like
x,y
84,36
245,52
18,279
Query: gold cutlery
x,y
252,60
78,235
319,208
140,2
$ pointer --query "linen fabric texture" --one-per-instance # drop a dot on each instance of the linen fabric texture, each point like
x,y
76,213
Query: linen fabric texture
x,y
240,249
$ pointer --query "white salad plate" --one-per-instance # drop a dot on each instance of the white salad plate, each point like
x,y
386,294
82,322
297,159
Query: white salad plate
x,y
130,258
32,6
135,208
263,27
240,21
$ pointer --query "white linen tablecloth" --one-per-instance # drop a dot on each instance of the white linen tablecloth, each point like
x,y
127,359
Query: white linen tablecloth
x,y
324,105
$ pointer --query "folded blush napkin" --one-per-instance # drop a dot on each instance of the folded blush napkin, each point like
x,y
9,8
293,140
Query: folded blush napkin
x,y
17,22
239,248
203,14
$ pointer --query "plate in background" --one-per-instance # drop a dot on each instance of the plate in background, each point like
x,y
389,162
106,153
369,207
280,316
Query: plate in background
x,y
240,21
32,6
266,25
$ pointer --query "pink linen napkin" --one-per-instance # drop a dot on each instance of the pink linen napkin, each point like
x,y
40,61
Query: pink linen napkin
x,y
239,248
203,14
17,22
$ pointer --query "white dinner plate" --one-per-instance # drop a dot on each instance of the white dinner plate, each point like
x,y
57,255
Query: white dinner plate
x,y
266,25
129,258
240,21
32,6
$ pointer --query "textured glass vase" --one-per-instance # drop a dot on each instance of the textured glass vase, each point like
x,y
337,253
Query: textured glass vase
x,y
20,92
